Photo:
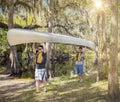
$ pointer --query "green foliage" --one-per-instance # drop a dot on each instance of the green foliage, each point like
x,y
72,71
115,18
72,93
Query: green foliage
x,y
65,66
3,40
2,18
3,69
27,61
27,74
3,46
62,48
64,77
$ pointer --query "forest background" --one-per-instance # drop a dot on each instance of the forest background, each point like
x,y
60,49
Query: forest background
x,y
87,19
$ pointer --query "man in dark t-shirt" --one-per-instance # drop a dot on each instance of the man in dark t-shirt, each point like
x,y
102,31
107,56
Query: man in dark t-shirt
x,y
40,70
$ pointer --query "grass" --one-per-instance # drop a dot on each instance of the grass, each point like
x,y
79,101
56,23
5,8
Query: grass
x,y
68,91
3,69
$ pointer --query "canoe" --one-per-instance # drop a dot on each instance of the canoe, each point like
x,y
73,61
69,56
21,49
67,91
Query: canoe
x,y
21,36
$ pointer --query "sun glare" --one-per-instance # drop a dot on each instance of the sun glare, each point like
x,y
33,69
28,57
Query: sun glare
x,y
98,3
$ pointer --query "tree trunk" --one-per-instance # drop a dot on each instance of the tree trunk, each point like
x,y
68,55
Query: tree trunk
x,y
53,58
15,66
104,45
95,38
97,47
113,85
104,58
48,63
48,46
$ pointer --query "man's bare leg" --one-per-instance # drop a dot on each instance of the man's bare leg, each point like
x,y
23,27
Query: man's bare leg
x,y
80,78
37,85
45,84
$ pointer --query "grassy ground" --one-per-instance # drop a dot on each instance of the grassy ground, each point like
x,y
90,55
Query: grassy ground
x,y
68,90
61,89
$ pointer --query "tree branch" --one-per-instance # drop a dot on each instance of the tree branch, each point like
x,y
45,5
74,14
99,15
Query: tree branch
x,y
58,25
35,26
22,4
5,26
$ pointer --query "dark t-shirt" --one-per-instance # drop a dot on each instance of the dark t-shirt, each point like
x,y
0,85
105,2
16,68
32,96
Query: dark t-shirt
x,y
43,62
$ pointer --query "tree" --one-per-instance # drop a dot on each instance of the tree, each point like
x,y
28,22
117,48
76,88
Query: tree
x,y
104,45
113,85
14,64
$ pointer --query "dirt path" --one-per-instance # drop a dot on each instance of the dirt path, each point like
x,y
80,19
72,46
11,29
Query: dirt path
x,y
11,88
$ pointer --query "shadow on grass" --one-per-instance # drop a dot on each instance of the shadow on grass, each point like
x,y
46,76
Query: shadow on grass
x,y
12,92
68,91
